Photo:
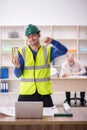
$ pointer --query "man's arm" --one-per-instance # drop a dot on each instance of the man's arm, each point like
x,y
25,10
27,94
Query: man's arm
x,y
82,69
19,70
57,50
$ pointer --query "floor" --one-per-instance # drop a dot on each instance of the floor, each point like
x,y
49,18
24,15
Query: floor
x,y
58,99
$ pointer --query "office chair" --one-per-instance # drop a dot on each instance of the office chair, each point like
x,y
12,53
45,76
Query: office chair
x,y
75,98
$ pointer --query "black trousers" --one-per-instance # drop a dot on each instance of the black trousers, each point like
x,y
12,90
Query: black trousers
x,y
82,96
46,99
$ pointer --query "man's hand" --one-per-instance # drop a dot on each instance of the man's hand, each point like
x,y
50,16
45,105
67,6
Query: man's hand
x,y
47,40
64,75
15,61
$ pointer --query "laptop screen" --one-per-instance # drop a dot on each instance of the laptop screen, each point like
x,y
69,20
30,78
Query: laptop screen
x,y
29,109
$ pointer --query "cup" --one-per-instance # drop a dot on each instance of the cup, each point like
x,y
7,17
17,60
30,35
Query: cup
x,y
14,52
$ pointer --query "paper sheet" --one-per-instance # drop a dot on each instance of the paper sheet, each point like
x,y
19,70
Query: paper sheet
x,y
49,111
9,111
82,77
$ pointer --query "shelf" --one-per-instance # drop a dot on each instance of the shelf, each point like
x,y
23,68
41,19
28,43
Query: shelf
x,y
83,32
9,66
82,39
83,53
65,32
73,37
10,79
6,52
9,93
12,39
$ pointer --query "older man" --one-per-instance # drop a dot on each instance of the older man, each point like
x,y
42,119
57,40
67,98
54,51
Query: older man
x,y
72,67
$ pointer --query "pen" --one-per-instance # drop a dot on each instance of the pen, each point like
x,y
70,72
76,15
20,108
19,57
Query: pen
x,y
63,114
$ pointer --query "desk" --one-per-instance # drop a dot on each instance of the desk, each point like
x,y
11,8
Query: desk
x,y
78,121
70,84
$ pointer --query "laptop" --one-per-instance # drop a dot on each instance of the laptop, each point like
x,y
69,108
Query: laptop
x,y
28,110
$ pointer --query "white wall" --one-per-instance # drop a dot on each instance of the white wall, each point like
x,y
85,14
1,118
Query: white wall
x,y
43,12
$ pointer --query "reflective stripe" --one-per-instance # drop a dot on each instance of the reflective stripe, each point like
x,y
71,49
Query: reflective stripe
x,y
35,80
36,67
23,53
45,55
29,67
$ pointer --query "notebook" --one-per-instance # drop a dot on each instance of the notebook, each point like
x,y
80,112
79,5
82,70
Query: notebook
x,y
28,110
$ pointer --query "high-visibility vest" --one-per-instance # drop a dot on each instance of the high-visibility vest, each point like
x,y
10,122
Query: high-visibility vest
x,y
36,73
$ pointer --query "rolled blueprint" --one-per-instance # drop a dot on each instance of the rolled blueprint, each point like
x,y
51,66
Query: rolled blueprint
x,y
67,108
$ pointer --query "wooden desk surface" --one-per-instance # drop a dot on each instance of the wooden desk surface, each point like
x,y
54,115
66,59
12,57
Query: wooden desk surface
x,y
69,84
78,121
70,77
79,117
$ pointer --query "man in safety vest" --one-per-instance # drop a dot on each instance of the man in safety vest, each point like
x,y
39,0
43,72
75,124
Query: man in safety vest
x,y
33,66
